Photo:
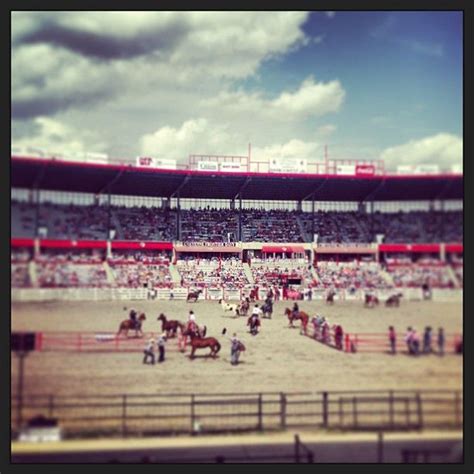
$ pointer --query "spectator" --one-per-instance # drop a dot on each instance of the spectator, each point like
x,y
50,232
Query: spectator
x,y
392,337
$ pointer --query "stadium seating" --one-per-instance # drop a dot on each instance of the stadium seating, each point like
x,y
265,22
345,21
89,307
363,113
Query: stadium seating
x,y
416,275
275,272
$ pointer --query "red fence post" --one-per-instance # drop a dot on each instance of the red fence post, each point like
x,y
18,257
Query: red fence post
x,y
348,343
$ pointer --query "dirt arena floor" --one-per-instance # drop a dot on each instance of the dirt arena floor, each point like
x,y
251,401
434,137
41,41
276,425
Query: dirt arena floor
x,y
278,359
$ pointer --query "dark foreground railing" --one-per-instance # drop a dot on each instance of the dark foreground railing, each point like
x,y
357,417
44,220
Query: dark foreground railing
x,y
153,414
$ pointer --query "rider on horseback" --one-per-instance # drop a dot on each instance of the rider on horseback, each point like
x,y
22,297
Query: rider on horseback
x,y
133,318
296,310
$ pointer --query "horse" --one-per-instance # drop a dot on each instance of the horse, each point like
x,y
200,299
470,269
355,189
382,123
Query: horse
x,y
330,297
253,295
193,295
170,326
301,315
393,300
267,310
234,308
244,308
198,342
127,325
254,323
370,300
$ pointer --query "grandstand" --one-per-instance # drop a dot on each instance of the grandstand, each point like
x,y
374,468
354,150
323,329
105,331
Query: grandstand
x,y
83,225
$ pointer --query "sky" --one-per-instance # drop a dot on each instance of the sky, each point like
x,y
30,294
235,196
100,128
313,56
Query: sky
x,y
369,85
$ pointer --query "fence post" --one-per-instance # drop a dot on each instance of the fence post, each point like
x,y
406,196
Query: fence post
x,y
419,409
390,401
282,410
192,414
380,448
297,449
124,416
260,414
51,405
354,411
456,409
325,409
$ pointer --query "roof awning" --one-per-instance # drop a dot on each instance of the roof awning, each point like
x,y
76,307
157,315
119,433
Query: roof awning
x,y
283,249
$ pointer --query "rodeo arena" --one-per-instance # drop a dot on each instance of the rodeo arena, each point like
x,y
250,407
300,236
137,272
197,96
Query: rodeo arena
x,y
235,310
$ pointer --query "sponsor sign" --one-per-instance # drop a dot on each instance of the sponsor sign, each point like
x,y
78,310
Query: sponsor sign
x,y
208,166
232,167
427,169
280,165
151,162
405,169
365,170
348,170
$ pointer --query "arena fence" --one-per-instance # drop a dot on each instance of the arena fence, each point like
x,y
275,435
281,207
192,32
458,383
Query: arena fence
x,y
159,414
69,341
121,294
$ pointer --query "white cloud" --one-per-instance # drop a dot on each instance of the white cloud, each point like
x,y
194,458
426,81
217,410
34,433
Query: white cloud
x,y
311,99
52,136
330,14
429,49
326,130
291,150
443,149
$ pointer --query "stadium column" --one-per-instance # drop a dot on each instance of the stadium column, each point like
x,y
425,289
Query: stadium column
x,y
312,218
178,215
36,194
109,213
240,217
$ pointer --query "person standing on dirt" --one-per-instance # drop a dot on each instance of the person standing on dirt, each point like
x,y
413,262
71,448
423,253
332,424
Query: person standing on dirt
x,y
235,348
161,347
441,341
149,352
392,337
427,340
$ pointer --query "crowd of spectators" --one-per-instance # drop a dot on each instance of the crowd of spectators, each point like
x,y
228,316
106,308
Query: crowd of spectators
x,y
217,225
277,272
227,273
414,276
355,275
20,277
212,225
260,225
140,275
70,275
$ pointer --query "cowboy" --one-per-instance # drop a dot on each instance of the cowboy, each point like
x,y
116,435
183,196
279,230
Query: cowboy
x,y
392,337
427,340
234,349
133,317
409,339
296,310
338,336
441,340
149,351
161,347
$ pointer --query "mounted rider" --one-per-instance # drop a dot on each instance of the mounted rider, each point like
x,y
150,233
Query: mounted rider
x,y
254,320
296,310
133,318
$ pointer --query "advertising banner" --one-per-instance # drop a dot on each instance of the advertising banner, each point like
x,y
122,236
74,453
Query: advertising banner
x,y
151,162
349,170
208,166
285,165
232,167
365,170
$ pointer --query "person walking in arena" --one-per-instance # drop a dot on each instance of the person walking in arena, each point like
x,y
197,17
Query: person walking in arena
x,y
149,352
441,341
427,340
235,349
392,337
161,347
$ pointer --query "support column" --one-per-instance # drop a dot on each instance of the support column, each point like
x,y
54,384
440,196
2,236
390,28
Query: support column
x,y
178,217
37,209
240,218
313,226
109,214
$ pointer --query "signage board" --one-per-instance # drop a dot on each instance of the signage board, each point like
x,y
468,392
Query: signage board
x,y
208,166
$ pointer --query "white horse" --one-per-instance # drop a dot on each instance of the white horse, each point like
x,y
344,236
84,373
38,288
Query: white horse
x,y
234,308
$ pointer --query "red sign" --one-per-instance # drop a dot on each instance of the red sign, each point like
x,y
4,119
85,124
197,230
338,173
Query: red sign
x,y
416,248
365,170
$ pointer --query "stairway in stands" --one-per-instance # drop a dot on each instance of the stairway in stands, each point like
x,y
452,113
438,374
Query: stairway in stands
x,y
453,277
175,276
110,274
306,235
248,273
32,274
386,276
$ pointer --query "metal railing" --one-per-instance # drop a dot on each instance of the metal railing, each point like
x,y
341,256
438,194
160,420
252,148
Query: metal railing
x,y
160,414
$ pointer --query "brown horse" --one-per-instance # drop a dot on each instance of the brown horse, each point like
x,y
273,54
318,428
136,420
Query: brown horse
x,y
193,296
127,325
254,323
301,315
394,300
370,301
170,326
330,297
244,308
198,342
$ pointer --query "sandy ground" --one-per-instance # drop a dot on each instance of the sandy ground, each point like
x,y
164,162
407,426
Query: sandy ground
x,y
278,359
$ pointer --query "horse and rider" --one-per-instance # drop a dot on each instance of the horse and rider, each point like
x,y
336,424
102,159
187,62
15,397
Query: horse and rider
x,y
170,327
295,314
394,300
244,307
254,320
193,296
330,296
133,323
370,300
267,307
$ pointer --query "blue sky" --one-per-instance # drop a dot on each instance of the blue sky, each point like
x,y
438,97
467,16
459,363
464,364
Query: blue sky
x,y
373,85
